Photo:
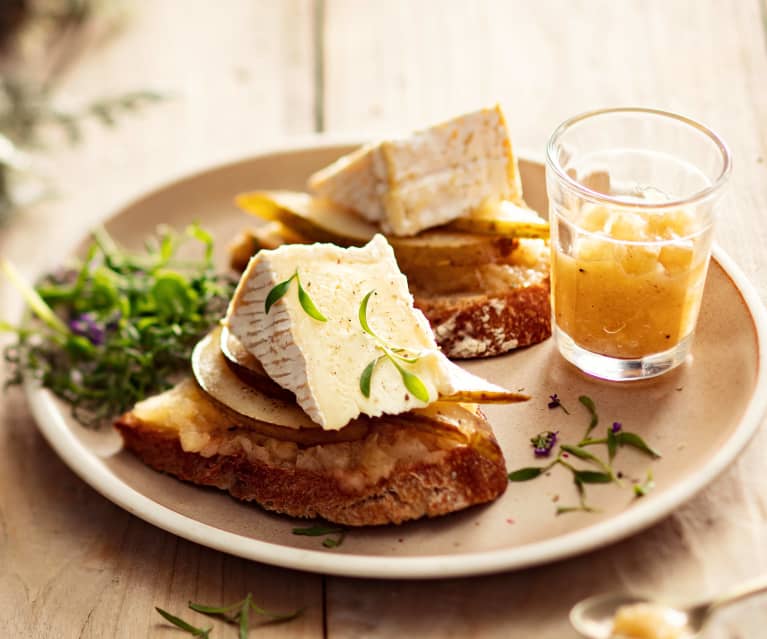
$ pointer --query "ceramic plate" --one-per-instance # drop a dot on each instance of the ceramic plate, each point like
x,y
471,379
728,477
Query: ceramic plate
x,y
699,416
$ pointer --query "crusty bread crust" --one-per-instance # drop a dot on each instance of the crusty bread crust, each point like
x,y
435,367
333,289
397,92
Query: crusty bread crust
x,y
463,476
487,324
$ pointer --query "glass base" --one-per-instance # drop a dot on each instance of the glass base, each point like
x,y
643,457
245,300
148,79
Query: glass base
x,y
616,369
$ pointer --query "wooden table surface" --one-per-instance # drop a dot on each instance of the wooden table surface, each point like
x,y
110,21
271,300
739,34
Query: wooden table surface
x,y
247,75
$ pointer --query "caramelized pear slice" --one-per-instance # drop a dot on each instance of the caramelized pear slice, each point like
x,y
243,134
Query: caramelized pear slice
x,y
250,408
503,218
324,221
314,218
472,388
218,380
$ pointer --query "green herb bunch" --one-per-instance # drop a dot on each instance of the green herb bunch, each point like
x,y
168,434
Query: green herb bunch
x,y
119,326
602,471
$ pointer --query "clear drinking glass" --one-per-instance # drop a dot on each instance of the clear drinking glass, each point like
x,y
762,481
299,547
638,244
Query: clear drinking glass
x,y
633,195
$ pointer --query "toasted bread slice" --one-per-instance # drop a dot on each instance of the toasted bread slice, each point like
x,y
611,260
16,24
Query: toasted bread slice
x,y
395,469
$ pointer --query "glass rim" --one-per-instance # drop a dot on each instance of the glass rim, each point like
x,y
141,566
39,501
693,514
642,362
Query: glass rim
x,y
596,196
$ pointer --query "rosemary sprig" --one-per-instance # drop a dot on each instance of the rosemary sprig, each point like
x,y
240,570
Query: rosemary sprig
x,y
281,289
119,326
237,613
395,354
614,439
184,625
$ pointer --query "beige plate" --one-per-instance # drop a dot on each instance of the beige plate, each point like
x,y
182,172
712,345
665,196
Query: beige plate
x,y
700,416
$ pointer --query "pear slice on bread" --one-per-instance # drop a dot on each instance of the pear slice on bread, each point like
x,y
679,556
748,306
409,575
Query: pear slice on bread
x,y
216,430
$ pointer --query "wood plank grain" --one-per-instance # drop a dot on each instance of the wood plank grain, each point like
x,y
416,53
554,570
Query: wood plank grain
x,y
390,67
71,563
397,65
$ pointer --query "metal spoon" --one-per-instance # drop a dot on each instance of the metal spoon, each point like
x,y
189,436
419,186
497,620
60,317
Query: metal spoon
x,y
593,617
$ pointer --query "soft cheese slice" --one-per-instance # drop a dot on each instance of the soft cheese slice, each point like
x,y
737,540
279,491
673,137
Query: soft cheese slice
x,y
429,178
323,362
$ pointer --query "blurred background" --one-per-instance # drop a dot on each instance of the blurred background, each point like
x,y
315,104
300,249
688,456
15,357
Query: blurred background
x,y
103,99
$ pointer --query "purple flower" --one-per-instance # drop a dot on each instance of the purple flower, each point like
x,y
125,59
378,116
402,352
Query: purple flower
x,y
86,326
543,442
556,403
616,427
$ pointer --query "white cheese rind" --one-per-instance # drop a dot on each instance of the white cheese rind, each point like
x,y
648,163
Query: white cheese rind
x,y
322,362
429,178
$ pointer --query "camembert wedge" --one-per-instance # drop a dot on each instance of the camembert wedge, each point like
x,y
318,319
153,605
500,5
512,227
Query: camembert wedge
x,y
428,178
338,328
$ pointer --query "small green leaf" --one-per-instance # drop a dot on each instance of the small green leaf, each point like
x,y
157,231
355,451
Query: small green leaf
x,y
173,296
612,444
367,375
635,441
334,542
589,404
526,474
592,477
277,293
363,314
180,623
321,531
581,453
414,384
306,303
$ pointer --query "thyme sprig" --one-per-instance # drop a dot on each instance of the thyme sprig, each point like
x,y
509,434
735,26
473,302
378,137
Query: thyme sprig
x,y
614,439
118,326
397,355
281,289
237,613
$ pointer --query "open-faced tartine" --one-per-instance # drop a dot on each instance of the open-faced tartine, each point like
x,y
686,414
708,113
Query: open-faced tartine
x,y
449,199
324,394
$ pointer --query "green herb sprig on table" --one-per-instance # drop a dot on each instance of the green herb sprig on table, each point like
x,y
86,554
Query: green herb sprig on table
x,y
236,613
397,355
119,326
614,438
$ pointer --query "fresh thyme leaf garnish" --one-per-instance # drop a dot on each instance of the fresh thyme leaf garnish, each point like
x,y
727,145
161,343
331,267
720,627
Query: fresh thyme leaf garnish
x,y
635,441
279,291
335,535
367,375
592,477
184,625
615,438
412,382
120,325
527,473
589,404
